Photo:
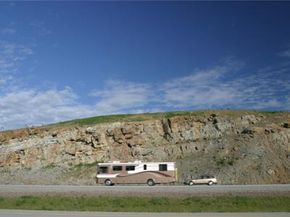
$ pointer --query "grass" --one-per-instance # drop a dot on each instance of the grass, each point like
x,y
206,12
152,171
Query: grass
x,y
158,115
271,112
127,118
82,166
136,118
155,204
225,161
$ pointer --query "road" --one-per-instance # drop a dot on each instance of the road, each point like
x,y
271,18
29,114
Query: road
x,y
25,213
18,190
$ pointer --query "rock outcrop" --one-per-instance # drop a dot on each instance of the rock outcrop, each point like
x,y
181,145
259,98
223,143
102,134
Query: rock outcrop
x,y
237,147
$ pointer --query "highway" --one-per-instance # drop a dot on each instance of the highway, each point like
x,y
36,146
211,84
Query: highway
x,y
26,213
158,190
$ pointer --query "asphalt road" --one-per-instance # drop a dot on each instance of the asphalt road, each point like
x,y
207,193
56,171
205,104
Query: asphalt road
x,y
25,213
18,190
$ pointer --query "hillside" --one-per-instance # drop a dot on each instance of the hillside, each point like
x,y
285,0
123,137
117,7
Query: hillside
x,y
239,147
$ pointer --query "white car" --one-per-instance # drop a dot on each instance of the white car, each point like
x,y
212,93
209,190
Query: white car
x,y
204,179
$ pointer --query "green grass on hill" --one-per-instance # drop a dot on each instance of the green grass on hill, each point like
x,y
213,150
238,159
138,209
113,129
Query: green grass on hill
x,y
160,115
147,204
126,118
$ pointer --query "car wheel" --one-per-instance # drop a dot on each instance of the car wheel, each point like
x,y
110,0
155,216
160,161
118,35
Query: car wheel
x,y
150,182
210,183
108,182
190,183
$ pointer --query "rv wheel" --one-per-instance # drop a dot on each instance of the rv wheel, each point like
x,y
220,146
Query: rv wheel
x,y
108,182
150,182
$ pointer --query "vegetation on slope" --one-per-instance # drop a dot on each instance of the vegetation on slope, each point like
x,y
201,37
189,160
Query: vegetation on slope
x,y
150,204
157,115
124,118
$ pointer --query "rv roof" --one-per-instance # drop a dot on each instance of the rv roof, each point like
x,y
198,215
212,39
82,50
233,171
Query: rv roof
x,y
132,163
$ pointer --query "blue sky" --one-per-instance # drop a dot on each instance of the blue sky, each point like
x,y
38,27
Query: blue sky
x,y
67,60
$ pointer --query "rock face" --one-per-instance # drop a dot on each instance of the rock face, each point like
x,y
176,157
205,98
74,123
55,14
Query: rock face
x,y
237,148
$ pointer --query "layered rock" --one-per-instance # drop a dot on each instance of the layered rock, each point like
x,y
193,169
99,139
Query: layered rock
x,y
248,148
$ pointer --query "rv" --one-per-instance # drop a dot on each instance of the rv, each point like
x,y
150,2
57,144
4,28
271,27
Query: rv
x,y
136,173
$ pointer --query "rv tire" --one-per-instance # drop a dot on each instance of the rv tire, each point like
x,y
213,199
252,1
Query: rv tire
x,y
150,182
108,182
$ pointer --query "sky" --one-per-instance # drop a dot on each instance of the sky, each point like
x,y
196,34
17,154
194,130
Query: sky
x,y
63,60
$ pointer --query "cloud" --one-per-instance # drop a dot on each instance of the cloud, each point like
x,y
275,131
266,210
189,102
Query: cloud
x,y
202,89
220,86
7,31
216,88
21,105
40,28
208,88
270,88
224,85
4,81
11,55
35,107
285,53
122,96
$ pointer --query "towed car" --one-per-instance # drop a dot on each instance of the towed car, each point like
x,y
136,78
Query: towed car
x,y
204,179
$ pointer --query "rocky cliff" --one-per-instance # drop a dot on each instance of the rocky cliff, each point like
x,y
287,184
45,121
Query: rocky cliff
x,y
236,146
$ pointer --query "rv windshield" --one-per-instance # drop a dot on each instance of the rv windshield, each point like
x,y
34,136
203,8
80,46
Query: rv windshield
x,y
102,169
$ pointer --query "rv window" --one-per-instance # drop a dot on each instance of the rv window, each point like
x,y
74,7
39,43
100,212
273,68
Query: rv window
x,y
144,167
103,169
117,168
162,167
130,168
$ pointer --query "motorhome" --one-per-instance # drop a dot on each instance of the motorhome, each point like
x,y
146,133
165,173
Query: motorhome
x,y
136,172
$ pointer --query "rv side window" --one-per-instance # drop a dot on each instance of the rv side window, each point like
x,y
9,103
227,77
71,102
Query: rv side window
x,y
162,167
103,170
145,167
117,168
130,168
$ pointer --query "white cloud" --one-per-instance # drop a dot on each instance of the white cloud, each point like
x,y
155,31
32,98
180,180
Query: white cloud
x,y
7,31
201,89
21,106
204,89
34,107
121,96
11,55
5,80
40,28
219,86
285,53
